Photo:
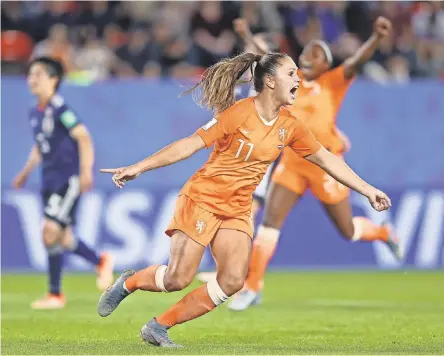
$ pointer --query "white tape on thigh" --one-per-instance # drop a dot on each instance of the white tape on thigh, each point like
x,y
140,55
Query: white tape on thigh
x,y
159,277
215,292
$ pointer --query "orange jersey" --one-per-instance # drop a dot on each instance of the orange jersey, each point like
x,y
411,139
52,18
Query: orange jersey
x,y
244,147
317,104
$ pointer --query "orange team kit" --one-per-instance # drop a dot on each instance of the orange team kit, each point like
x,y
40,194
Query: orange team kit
x,y
219,195
317,104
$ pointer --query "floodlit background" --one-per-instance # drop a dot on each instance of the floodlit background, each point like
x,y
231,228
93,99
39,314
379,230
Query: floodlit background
x,y
127,63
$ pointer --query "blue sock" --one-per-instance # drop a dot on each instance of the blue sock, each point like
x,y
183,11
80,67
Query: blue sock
x,y
55,261
79,248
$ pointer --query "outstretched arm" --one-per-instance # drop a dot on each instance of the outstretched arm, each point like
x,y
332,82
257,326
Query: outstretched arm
x,y
382,28
175,152
339,170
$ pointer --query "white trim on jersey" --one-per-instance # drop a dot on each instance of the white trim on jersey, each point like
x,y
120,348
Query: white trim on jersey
x,y
268,123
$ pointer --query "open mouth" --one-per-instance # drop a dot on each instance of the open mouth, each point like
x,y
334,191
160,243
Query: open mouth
x,y
293,91
305,64
306,68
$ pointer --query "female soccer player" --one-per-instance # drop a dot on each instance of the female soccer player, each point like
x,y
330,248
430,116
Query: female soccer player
x,y
64,147
318,101
241,92
214,206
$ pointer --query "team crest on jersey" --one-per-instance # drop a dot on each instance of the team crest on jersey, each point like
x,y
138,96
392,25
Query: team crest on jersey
x,y
282,133
48,122
200,226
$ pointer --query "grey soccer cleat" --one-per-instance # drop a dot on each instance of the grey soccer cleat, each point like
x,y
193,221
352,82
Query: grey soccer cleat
x,y
245,299
155,334
113,295
394,243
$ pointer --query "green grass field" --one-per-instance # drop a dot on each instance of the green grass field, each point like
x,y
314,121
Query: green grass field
x,y
303,313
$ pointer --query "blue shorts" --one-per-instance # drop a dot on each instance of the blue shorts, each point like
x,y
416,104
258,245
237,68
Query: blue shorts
x,y
60,206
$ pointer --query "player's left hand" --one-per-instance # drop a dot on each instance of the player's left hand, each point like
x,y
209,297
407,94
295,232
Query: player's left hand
x,y
86,181
382,26
122,175
379,200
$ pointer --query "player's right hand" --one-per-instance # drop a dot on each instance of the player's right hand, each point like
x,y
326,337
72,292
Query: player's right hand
x,y
379,200
122,175
20,180
241,27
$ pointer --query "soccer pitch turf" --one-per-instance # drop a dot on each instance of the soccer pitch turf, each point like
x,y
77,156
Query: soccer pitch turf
x,y
302,313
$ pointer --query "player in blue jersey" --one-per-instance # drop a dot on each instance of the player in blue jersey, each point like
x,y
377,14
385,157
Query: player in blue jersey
x,y
64,148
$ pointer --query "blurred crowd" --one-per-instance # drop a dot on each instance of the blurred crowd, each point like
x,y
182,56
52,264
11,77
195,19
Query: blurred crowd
x,y
97,40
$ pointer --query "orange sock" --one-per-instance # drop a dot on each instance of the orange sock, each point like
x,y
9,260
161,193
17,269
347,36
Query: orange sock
x,y
145,279
366,230
264,246
195,304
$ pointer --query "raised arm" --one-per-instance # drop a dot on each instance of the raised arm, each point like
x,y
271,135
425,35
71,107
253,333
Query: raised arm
x,y
340,171
175,152
33,161
241,28
382,28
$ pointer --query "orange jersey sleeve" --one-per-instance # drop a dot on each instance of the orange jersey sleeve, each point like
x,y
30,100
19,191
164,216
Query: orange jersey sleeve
x,y
224,123
302,141
336,77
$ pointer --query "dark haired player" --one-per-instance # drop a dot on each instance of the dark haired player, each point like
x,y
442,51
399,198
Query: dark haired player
x,y
319,99
64,147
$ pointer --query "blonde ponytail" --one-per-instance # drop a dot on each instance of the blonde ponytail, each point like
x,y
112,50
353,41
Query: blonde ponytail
x,y
216,88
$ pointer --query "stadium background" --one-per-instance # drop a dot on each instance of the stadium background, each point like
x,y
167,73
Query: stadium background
x,y
129,61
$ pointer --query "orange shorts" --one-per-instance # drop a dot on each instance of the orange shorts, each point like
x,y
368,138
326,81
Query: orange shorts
x,y
297,174
202,225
